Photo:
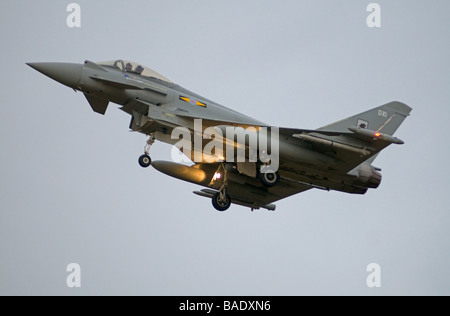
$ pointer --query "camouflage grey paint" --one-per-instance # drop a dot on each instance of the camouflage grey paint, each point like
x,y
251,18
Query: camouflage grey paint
x,y
335,157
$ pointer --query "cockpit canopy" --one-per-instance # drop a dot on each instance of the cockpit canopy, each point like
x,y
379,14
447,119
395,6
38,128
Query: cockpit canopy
x,y
134,68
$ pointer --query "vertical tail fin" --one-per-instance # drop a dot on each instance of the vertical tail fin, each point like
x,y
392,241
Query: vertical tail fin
x,y
386,119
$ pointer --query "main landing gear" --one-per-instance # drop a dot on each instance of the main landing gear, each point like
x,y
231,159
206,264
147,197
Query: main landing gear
x,y
269,179
145,161
221,200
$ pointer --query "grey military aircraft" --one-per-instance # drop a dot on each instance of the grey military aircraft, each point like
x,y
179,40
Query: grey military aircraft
x,y
337,157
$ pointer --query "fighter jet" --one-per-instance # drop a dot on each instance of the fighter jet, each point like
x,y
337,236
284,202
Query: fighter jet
x,y
236,158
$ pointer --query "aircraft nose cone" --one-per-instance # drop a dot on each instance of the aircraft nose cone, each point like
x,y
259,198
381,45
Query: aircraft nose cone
x,y
68,74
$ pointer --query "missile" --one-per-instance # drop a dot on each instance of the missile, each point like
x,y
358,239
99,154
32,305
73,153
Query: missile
x,y
373,135
326,142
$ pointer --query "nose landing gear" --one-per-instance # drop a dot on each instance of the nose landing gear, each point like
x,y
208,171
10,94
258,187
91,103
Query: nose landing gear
x,y
145,161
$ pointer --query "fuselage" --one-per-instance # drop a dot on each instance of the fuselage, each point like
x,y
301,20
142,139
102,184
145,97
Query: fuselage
x,y
323,158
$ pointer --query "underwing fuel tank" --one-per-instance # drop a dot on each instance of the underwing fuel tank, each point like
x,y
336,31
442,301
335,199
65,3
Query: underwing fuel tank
x,y
190,174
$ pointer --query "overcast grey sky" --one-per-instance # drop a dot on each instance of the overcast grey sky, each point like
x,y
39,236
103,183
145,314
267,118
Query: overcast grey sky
x,y
71,189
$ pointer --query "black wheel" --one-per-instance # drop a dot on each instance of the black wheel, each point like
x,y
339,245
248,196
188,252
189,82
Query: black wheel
x,y
269,179
219,204
145,161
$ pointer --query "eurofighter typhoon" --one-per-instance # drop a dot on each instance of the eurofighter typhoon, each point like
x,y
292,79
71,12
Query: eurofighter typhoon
x,y
236,158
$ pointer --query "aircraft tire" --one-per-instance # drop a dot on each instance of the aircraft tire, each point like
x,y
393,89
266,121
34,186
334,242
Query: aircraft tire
x,y
145,161
221,206
269,179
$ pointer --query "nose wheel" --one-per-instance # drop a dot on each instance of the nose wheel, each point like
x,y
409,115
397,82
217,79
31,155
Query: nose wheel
x,y
145,161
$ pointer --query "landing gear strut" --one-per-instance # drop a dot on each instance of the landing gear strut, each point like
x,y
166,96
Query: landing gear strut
x,y
221,200
145,160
